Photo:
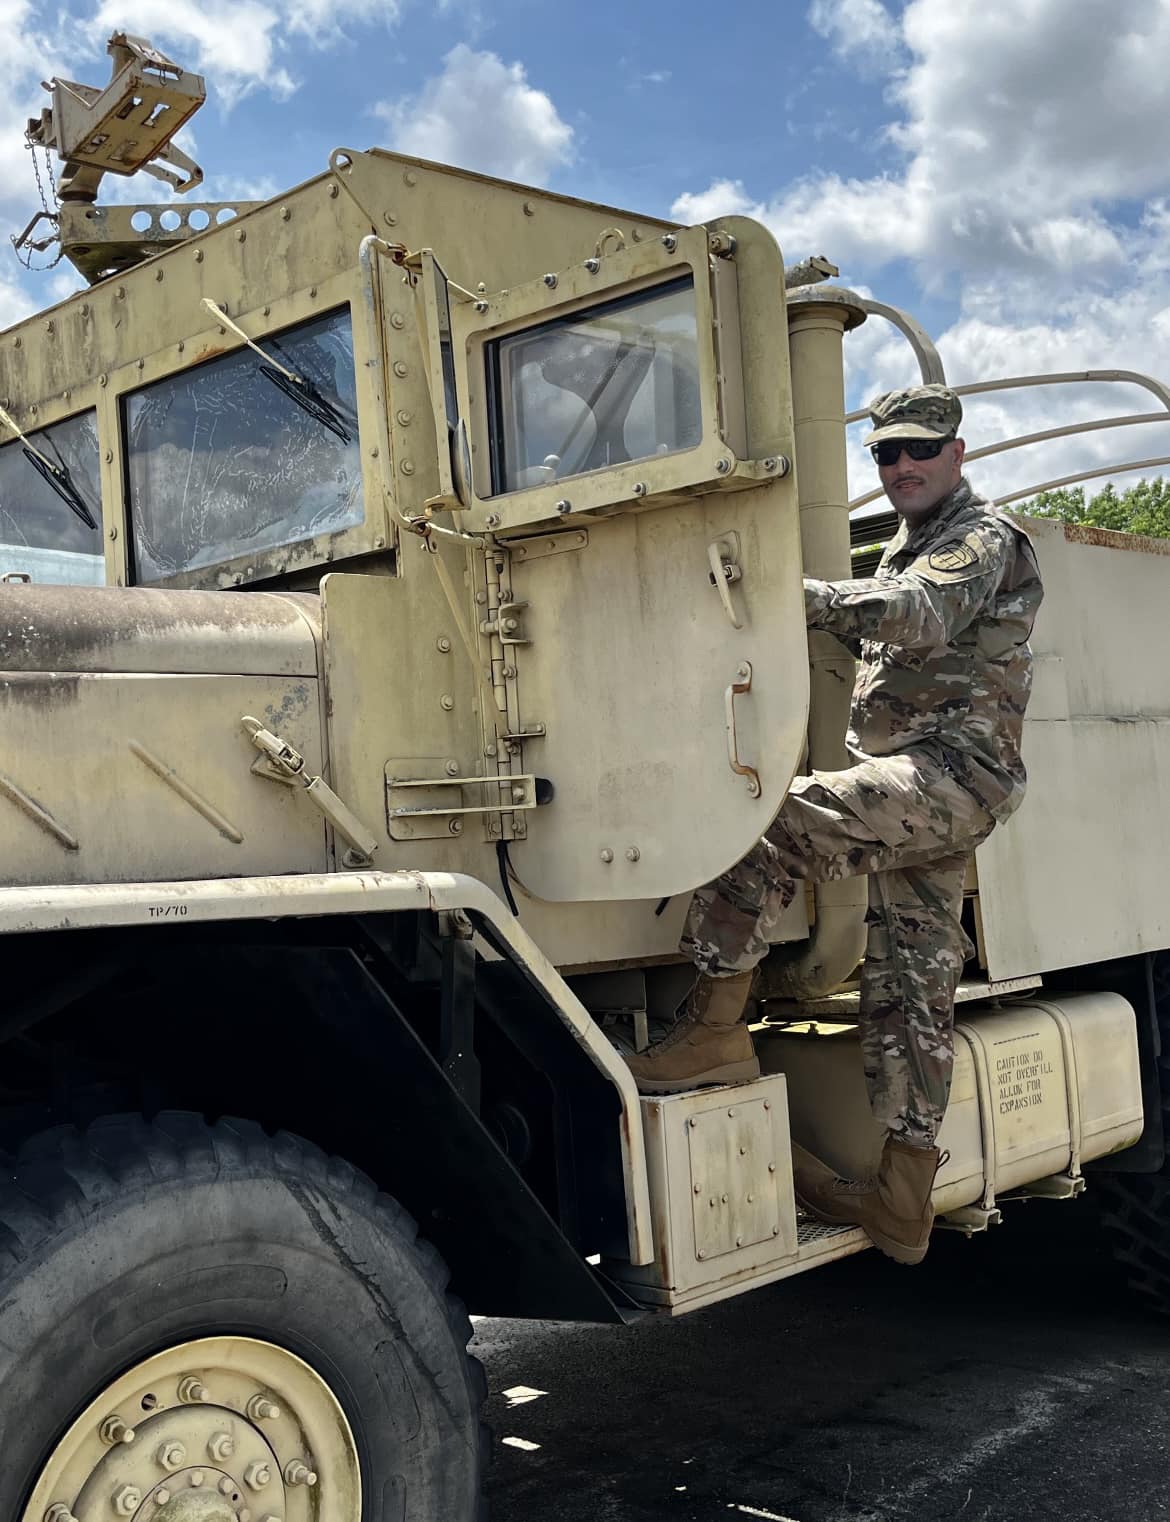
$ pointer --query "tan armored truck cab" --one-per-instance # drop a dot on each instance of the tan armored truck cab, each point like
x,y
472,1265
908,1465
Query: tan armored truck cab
x,y
401,616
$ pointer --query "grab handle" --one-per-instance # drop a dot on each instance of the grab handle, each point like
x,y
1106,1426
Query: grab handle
x,y
741,684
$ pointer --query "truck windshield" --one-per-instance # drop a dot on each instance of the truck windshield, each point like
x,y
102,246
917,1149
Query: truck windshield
x,y
41,535
222,464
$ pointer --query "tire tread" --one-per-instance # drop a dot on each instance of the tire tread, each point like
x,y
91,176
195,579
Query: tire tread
x,y
61,1176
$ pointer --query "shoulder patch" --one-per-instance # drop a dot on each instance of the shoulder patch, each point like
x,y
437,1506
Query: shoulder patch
x,y
953,557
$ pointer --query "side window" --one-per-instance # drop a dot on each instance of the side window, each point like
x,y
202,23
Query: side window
x,y
51,519
617,382
231,459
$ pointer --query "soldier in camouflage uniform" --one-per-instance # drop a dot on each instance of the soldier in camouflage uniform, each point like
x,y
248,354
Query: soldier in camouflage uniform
x,y
941,635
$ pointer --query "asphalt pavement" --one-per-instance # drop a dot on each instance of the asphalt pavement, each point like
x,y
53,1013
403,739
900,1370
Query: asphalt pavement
x,y
1003,1379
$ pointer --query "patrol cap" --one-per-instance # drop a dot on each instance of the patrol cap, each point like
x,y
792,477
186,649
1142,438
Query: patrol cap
x,y
919,412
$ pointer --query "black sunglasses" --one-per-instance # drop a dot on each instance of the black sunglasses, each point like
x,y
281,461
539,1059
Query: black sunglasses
x,y
889,450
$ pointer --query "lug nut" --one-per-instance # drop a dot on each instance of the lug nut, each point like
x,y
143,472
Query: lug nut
x,y
59,1512
296,1473
221,1447
192,1392
171,1455
114,1430
261,1409
127,1499
257,1475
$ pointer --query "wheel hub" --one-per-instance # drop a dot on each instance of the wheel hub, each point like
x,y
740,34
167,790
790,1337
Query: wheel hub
x,y
226,1429
196,1506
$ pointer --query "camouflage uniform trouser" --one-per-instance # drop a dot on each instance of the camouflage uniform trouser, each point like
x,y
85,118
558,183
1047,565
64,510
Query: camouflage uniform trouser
x,y
915,946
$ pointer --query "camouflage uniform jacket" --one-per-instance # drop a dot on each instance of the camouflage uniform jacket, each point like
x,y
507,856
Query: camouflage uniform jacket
x,y
941,631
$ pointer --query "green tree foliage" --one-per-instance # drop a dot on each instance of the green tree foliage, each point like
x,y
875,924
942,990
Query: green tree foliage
x,y
1140,509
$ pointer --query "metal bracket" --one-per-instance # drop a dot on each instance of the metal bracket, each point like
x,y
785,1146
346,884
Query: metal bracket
x,y
970,1218
25,239
541,545
128,125
521,795
1057,1186
505,624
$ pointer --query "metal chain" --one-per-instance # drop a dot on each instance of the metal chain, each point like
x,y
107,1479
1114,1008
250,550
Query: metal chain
x,y
27,258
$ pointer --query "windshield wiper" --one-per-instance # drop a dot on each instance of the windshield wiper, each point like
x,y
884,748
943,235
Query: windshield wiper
x,y
55,475
297,387
308,398
58,477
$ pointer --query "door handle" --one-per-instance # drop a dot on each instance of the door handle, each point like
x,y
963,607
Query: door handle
x,y
741,684
722,557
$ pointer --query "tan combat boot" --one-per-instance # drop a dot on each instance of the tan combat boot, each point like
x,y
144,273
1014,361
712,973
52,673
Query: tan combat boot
x,y
709,1044
894,1209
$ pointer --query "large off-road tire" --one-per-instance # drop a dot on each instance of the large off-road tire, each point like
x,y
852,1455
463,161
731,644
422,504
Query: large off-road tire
x,y
1136,1206
204,1322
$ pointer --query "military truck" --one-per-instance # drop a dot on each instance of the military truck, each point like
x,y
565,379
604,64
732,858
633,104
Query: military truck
x,y
401,616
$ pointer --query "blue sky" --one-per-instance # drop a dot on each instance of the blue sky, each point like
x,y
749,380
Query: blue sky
x,y
999,167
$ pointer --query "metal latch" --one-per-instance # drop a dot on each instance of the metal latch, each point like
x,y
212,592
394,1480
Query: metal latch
x,y
279,762
723,559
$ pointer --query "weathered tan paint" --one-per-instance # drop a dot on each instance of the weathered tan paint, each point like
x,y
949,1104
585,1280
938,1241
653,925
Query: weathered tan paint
x,y
129,789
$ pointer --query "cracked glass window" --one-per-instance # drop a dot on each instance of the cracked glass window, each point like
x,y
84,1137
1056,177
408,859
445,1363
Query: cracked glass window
x,y
43,529
232,458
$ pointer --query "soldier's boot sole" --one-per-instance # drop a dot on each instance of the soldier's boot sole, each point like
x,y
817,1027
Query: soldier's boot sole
x,y
729,1072
900,1252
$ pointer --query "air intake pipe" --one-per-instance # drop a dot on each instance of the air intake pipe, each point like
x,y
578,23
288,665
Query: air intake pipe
x,y
819,316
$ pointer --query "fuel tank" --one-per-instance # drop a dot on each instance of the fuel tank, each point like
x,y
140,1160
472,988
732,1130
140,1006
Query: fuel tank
x,y
1040,1087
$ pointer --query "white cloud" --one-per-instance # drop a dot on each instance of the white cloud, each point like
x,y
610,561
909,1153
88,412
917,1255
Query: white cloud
x,y
1020,126
15,302
862,28
235,42
1026,177
27,57
1022,134
481,113
724,198
322,20
238,44
1092,332
1102,335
